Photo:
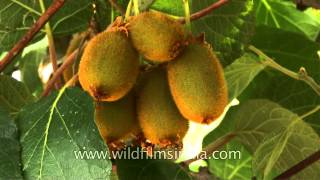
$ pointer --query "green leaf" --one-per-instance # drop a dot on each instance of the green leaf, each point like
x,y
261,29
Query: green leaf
x,y
17,16
13,95
173,7
10,148
256,119
240,73
228,29
145,168
292,51
233,168
279,138
280,154
54,130
284,15
103,14
33,55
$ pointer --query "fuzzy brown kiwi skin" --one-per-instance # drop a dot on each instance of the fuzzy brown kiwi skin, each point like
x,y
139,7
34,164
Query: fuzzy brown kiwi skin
x,y
156,36
109,66
197,83
159,118
117,121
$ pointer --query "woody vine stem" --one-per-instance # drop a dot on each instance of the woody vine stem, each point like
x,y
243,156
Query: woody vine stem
x,y
301,75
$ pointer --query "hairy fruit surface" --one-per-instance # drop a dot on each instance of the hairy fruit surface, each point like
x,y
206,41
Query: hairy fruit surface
x,y
159,117
197,84
117,120
109,66
156,36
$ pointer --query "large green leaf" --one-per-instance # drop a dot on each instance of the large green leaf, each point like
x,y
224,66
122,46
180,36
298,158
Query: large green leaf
x,y
232,168
292,51
228,28
284,149
256,119
284,15
279,138
10,148
17,16
52,133
13,95
145,168
240,73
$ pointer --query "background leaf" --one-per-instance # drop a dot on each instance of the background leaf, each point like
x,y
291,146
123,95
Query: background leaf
x,y
232,169
56,127
228,29
256,119
13,95
278,137
145,168
32,57
240,73
17,16
173,7
284,15
292,51
10,148
284,149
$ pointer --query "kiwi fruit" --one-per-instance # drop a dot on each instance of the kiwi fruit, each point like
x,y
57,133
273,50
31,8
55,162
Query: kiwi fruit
x,y
109,66
159,118
197,83
156,36
117,121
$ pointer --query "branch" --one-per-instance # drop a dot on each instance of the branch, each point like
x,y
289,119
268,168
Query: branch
x,y
300,166
68,62
219,143
18,47
115,4
302,75
205,11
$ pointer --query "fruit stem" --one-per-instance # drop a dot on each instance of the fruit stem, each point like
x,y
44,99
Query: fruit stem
x,y
302,75
112,14
52,49
136,7
314,110
187,14
128,11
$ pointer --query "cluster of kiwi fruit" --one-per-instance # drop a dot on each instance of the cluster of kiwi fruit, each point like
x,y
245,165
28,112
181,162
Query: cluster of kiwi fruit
x,y
183,81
